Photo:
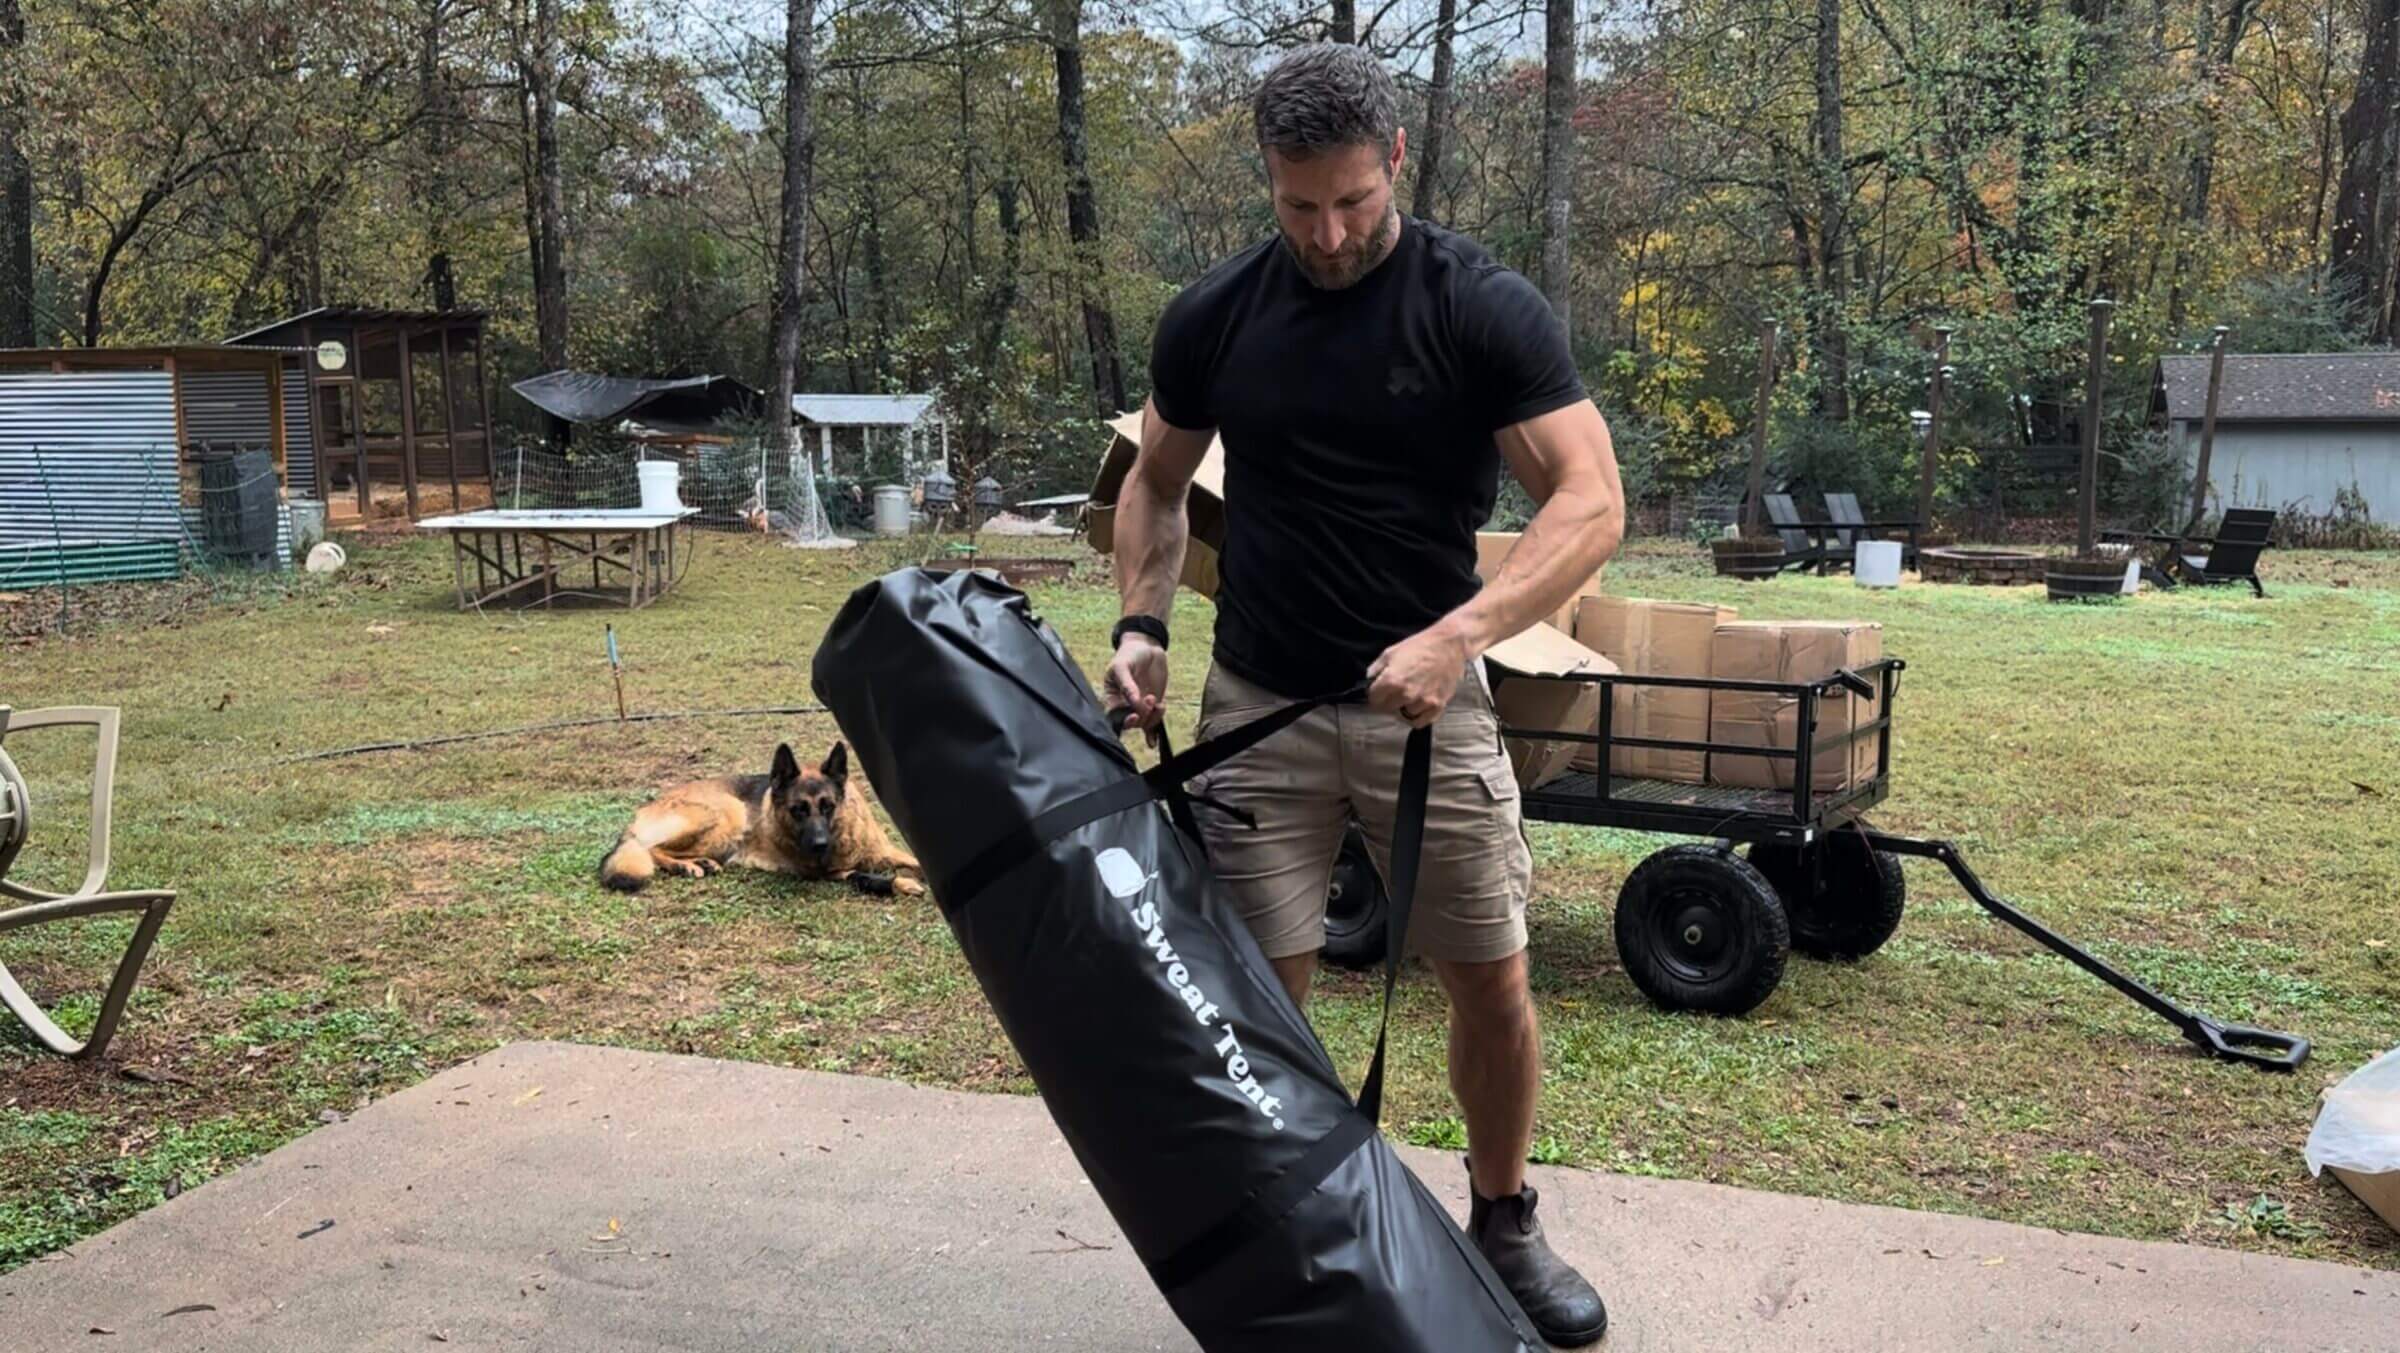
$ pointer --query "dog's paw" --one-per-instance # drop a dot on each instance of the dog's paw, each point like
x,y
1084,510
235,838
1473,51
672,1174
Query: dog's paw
x,y
908,887
705,867
687,868
873,885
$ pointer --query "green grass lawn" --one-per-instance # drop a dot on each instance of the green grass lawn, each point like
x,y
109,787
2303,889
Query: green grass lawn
x,y
2204,786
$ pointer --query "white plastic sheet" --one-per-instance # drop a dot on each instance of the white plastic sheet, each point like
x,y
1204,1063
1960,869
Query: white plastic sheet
x,y
2358,1129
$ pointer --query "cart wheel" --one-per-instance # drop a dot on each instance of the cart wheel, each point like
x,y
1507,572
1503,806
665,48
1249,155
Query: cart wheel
x,y
1356,907
1700,929
1857,901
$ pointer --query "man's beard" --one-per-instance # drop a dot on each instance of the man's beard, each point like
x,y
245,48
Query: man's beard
x,y
1345,269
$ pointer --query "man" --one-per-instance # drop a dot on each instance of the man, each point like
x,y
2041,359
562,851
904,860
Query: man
x,y
1368,375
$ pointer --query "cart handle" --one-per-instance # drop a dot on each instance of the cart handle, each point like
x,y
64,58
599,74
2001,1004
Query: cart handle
x,y
1852,682
2244,1043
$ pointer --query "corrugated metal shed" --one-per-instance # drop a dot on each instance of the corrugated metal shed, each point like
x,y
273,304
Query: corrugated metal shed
x,y
88,456
853,411
299,448
227,410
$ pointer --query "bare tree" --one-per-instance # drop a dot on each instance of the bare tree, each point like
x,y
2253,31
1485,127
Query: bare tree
x,y
549,190
16,192
438,117
1833,210
1083,210
1342,24
2366,203
1437,114
2216,60
799,174
1558,155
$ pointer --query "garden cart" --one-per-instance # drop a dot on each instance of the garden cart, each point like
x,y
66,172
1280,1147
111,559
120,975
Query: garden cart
x,y
1700,927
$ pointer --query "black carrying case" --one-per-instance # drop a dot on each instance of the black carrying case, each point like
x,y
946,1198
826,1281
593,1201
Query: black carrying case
x,y
1267,1207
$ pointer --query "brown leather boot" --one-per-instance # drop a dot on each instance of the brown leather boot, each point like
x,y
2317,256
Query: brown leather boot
x,y
1563,1307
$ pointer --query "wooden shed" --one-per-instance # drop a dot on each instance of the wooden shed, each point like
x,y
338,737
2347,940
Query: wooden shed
x,y
400,404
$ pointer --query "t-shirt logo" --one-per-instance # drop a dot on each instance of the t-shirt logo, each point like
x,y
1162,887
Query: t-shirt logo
x,y
1405,380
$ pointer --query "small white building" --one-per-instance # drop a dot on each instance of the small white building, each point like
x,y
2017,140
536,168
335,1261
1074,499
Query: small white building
x,y
864,421
2294,430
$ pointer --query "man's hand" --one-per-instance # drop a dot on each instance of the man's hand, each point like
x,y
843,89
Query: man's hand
x,y
1415,678
1137,680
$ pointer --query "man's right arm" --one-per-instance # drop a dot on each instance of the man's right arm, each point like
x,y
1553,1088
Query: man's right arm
x,y
1152,529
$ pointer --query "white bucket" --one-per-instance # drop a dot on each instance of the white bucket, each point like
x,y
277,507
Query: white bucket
x,y
1877,564
326,557
658,485
891,510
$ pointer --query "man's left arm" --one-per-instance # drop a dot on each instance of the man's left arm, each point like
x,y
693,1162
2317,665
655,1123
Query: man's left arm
x,y
1566,462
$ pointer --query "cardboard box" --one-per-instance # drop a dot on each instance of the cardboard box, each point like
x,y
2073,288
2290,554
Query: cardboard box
x,y
1206,508
1653,638
1796,651
2380,1192
1543,651
1493,546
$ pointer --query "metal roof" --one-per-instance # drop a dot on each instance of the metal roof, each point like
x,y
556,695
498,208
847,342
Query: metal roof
x,y
850,411
365,314
2317,387
691,404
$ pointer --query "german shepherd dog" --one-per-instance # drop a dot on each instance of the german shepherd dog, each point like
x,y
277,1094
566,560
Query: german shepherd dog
x,y
811,824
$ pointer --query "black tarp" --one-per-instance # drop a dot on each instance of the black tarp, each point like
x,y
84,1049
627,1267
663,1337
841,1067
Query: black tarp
x,y
1265,1204
692,404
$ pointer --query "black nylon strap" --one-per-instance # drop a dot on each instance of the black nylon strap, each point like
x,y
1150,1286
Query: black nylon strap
x,y
1163,781
1265,1208
1408,842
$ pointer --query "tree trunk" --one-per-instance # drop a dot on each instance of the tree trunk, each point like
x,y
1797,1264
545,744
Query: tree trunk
x,y
1558,154
1341,26
16,200
1833,209
1083,212
550,263
433,102
1437,115
2364,205
799,173
2216,57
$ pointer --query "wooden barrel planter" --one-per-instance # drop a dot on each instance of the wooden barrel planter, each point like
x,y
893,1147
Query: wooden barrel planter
x,y
1751,557
2085,579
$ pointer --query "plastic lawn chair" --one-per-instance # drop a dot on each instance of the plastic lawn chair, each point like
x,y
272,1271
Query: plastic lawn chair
x,y
89,899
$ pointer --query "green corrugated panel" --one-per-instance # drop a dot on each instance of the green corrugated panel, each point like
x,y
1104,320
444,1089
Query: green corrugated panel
x,y
29,566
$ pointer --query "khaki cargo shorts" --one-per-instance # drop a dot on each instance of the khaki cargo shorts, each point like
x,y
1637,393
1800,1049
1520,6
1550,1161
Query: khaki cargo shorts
x,y
1305,782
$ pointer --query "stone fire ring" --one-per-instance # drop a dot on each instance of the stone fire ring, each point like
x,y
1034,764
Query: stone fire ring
x,y
1989,567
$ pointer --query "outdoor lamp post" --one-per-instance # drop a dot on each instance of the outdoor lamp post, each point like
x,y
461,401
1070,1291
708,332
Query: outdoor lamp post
x,y
987,496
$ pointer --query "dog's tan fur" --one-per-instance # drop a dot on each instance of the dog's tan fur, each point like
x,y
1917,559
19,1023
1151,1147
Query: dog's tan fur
x,y
765,822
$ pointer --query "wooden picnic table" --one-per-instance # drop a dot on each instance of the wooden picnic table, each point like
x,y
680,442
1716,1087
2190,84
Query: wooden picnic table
x,y
634,553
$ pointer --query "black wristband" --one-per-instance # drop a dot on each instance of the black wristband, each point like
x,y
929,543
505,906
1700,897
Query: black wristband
x,y
1138,624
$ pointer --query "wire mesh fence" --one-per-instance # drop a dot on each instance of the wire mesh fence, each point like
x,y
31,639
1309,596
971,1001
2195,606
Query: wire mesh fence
x,y
742,486
72,523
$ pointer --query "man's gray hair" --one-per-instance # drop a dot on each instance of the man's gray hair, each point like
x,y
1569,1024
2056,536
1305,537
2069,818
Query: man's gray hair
x,y
1325,96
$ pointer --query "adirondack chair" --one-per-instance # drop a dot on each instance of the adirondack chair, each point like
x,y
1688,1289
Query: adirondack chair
x,y
88,899
1843,510
1803,542
2229,556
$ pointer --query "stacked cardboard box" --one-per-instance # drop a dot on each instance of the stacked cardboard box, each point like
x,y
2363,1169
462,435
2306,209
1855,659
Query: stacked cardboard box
x,y
1205,508
1790,651
1547,649
1652,638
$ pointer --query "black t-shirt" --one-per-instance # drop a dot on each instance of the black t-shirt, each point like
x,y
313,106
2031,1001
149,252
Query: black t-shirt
x,y
1359,458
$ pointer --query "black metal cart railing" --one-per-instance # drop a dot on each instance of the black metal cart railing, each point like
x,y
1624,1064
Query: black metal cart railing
x,y
1702,928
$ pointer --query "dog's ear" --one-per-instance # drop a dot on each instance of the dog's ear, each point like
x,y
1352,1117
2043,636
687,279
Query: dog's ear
x,y
837,764
787,766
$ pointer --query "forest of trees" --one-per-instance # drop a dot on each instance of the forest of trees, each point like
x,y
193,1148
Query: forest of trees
x,y
993,199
